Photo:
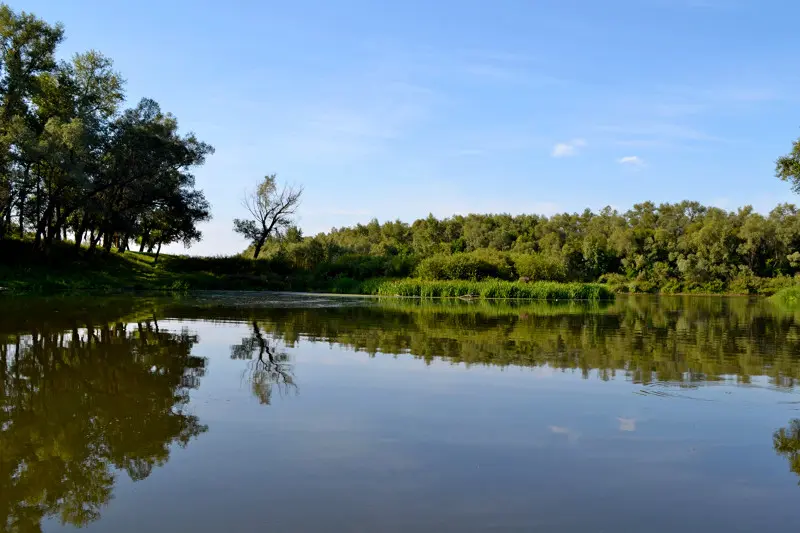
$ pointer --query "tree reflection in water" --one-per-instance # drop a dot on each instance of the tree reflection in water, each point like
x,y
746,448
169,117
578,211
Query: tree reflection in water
x,y
80,404
268,369
786,442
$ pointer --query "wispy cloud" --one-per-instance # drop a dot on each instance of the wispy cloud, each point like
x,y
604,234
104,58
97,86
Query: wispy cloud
x,y
653,134
501,73
358,123
568,149
572,435
631,161
348,212
627,424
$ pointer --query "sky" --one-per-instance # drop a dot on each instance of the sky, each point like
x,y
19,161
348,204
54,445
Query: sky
x,y
394,110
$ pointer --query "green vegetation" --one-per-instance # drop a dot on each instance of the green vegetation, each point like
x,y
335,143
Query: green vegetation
x,y
671,248
789,297
73,163
494,289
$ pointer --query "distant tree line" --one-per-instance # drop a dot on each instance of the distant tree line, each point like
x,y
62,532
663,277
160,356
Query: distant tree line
x,y
681,246
74,164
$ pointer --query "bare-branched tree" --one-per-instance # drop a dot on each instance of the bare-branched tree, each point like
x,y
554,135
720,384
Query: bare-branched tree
x,y
272,210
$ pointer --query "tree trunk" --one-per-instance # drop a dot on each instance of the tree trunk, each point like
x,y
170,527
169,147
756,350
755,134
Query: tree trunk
x,y
145,240
8,222
259,245
93,240
158,251
80,231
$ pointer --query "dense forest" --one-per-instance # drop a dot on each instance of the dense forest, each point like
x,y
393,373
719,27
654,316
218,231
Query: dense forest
x,y
671,247
74,164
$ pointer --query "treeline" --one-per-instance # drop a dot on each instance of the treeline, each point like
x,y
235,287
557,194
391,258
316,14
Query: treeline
x,y
684,246
74,164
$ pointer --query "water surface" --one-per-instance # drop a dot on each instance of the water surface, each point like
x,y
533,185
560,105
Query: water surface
x,y
254,412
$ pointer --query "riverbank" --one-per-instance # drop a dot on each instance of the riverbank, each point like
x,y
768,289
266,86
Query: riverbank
x,y
69,269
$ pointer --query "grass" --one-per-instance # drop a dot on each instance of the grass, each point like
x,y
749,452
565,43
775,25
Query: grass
x,y
492,289
65,268
788,297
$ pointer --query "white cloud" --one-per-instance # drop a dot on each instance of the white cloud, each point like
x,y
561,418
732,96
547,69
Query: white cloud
x,y
627,424
631,160
568,149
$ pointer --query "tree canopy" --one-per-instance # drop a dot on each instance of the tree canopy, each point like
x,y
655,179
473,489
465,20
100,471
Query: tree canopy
x,y
73,162
680,246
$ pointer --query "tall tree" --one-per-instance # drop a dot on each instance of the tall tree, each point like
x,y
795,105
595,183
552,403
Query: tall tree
x,y
27,51
272,211
787,168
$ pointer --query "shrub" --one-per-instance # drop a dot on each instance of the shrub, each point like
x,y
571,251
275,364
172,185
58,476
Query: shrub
x,y
540,267
745,282
361,267
466,266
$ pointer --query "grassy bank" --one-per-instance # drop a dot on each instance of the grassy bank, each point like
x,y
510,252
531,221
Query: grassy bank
x,y
65,268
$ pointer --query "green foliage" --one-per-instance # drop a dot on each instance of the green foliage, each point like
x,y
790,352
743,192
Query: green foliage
x,y
540,267
72,163
789,297
493,289
671,248
475,265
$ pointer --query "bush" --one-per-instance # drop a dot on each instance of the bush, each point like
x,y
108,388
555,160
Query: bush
x,y
540,267
745,282
476,265
362,267
769,286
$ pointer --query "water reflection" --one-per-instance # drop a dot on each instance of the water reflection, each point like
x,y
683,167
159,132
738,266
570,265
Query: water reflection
x,y
89,389
670,341
269,367
77,406
786,442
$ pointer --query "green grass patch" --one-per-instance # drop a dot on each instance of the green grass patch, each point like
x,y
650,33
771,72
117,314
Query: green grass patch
x,y
492,289
788,297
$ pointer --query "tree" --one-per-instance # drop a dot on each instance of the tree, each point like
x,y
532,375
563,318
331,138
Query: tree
x,y
27,50
272,212
787,168
71,161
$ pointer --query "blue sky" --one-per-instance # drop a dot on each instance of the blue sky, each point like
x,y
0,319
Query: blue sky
x,y
400,109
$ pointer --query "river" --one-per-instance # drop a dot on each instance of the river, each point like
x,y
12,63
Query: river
x,y
255,412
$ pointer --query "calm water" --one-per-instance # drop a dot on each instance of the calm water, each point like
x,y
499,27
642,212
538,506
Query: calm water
x,y
255,413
